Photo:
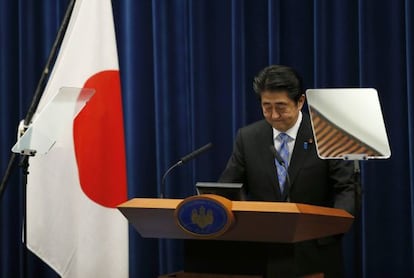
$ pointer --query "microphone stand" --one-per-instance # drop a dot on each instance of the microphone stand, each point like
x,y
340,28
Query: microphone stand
x,y
24,163
356,158
358,207
162,194
358,190
183,160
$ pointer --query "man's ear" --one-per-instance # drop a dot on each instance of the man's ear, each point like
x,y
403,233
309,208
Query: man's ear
x,y
301,101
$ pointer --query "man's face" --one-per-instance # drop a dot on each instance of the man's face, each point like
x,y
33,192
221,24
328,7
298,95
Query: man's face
x,y
279,110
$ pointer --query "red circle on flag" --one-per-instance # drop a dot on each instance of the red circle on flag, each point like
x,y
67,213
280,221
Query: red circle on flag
x,y
99,142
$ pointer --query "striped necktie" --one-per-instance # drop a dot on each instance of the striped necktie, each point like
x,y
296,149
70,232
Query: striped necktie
x,y
284,154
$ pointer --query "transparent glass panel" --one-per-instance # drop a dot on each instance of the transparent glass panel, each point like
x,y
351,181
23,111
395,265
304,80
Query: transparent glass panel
x,y
348,123
52,120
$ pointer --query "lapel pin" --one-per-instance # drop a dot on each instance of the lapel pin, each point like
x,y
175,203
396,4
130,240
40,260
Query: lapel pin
x,y
306,143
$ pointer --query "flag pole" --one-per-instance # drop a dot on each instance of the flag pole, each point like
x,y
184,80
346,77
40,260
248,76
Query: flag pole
x,y
7,173
39,89
52,57
24,162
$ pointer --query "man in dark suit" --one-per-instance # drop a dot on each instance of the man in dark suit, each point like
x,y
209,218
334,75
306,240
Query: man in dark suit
x,y
314,181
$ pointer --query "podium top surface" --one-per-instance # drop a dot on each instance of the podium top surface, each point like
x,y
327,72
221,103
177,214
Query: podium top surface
x,y
156,203
254,221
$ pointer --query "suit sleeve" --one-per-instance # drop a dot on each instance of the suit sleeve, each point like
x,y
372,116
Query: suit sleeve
x,y
345,185
235,169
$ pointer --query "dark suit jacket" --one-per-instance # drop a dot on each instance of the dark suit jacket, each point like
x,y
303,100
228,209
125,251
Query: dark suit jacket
x,y
314,181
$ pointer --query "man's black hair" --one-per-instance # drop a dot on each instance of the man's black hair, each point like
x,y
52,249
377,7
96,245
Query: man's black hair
x,y
276,78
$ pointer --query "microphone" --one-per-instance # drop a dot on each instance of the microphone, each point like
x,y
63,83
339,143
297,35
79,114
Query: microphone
x,y
281,162
277,156
195,153
183,160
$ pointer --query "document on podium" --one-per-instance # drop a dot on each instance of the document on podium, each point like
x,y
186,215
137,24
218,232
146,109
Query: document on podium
x,y
52,120
348,123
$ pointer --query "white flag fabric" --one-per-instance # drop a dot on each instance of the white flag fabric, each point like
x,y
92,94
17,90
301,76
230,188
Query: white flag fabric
x,y
72,193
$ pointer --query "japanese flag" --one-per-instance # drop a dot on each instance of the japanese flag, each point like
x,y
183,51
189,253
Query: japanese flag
x,y
72,193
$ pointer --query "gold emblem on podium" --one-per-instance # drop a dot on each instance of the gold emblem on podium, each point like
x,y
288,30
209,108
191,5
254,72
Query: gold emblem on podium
x,y
201,217
204,216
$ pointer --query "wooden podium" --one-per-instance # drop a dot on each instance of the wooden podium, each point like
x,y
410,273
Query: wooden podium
x,y
255,224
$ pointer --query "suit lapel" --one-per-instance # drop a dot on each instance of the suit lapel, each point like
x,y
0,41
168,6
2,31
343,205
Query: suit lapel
x,y
299,155
300,151
265,140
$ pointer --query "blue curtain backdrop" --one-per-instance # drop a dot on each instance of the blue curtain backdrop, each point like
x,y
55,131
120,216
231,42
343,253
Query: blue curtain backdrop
x,y
187,68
